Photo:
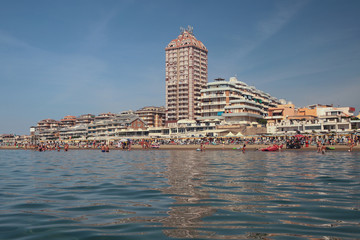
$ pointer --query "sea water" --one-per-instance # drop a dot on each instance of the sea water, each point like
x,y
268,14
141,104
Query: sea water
x,y
179,195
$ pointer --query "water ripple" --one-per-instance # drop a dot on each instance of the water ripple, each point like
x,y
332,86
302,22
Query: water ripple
x,y
179,194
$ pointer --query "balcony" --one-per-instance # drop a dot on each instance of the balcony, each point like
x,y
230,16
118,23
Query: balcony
x,y
273,117
213,103
213,96
242,114
212,110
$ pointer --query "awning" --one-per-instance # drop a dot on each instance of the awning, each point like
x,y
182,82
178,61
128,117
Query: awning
x,y
215,131
278,111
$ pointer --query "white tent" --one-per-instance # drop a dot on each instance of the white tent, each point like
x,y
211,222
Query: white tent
x,y
230,134
239,134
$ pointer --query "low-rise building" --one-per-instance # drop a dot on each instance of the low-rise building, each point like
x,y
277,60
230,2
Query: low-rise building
x,y
355,124
46,130
85,119
7,139
47,124
278,114
313,119
153,116
48,135
68,121
79,131
104,116
115,125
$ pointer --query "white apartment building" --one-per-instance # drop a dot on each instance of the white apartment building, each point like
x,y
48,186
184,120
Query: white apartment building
x,y
234,101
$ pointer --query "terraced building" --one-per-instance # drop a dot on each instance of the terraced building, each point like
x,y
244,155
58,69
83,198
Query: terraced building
x,y
234,101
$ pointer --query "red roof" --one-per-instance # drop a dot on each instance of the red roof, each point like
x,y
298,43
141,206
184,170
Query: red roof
x,y
185,39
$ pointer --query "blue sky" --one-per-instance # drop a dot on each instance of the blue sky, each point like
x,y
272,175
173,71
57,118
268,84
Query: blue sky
x,y
73,57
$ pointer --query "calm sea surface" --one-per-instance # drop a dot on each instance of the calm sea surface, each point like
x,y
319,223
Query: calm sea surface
x,y
179,194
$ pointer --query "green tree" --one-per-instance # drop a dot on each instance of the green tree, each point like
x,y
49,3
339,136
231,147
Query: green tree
x,y
262,121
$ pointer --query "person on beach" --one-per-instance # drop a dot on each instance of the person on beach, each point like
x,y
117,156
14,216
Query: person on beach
x,y
107,148
202,147
351,144
319,147
323,148
66,147
103,148
243,148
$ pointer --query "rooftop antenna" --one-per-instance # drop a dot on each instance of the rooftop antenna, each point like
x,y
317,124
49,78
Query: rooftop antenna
x,y
190,29
182,30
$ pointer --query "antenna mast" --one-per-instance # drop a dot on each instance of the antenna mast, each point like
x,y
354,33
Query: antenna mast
x,y
190,29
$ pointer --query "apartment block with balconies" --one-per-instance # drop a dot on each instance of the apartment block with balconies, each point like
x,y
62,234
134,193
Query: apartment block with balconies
x,y
234,101
185,76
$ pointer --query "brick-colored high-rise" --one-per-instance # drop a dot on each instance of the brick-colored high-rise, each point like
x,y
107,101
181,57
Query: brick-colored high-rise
x,y
186,76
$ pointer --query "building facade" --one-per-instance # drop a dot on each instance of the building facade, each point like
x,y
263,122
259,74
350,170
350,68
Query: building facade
x,y
234,101
85,119
68,121
278,114
153,116
116,125
78,131
48,124
186,74
311,119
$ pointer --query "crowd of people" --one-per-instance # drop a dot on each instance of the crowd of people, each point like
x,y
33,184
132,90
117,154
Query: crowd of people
x,y
291,142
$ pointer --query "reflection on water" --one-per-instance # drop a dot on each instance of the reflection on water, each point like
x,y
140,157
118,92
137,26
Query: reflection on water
x,y
186,175
179,194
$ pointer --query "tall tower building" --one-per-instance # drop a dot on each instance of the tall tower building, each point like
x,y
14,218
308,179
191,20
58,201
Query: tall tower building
x,y
186,75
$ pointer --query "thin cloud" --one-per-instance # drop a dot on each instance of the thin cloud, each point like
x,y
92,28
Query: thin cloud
x,y
265,29
9,40
97,36
268,27
273,24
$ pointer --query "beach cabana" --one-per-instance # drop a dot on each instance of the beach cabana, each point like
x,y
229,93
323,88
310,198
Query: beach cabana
x,y
239,134
230,134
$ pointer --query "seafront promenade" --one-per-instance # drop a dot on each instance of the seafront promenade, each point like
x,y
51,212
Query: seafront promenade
x,y
233,147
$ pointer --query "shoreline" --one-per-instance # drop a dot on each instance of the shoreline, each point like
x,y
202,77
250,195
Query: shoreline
x,y
338,148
